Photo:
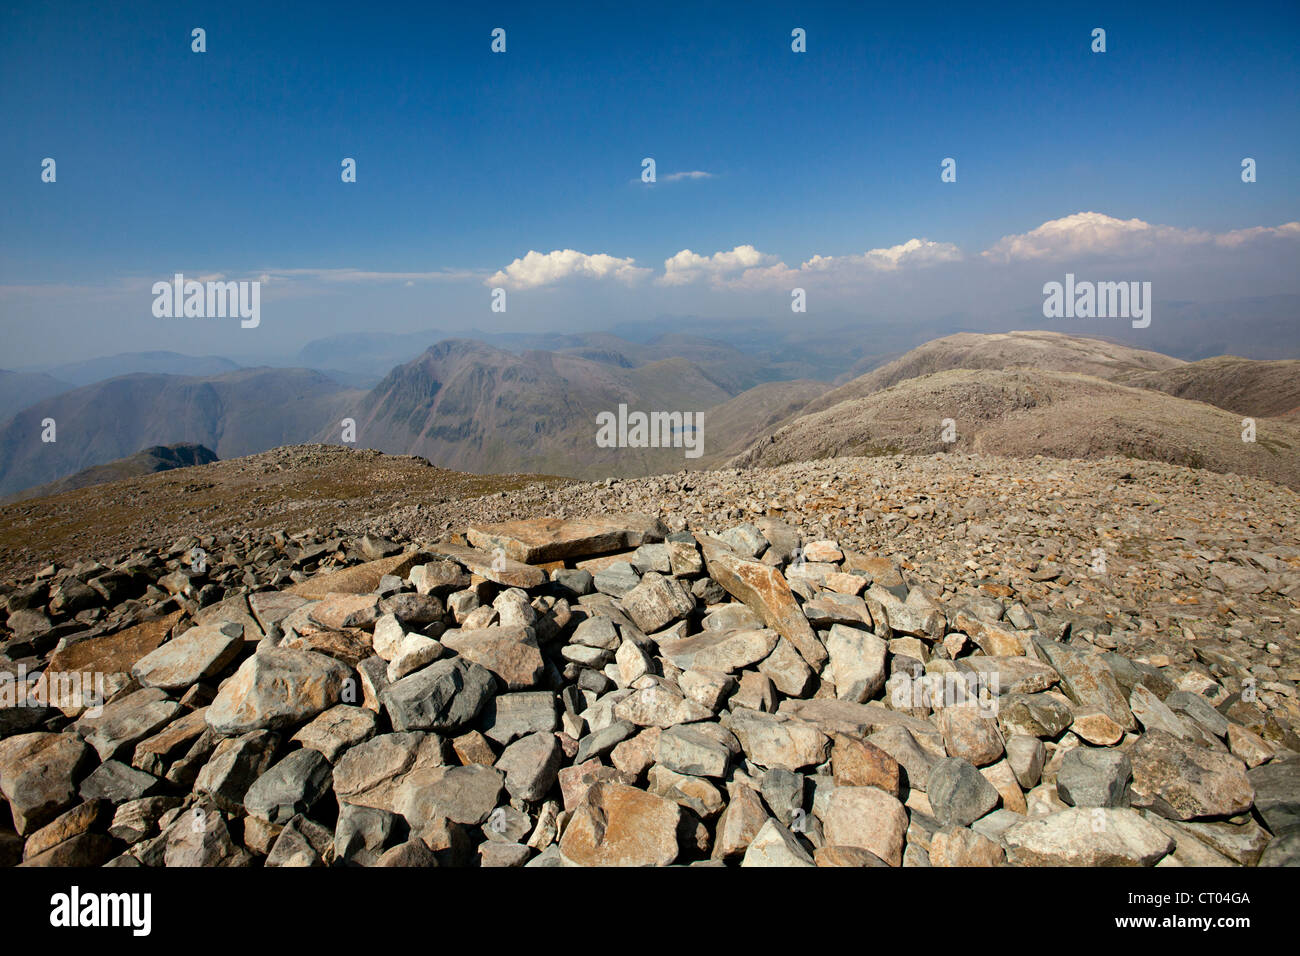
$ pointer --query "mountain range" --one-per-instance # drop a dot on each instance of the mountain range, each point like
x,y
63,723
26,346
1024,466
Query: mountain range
x,y
475,406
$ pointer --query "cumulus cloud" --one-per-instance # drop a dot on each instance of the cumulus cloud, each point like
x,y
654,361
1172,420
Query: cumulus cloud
x,y
547,268
1087,234
746,267
914,252
687,266
1240,237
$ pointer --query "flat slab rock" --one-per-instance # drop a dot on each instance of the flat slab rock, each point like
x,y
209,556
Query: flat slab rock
x,y
114,653
1092,836
538,540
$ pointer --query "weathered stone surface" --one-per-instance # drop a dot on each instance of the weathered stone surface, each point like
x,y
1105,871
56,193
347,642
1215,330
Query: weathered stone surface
x,y
995,640
847,717
787,670
39,774
302,843
361,834
199,837
444,696
617,825
773,742
65,826
1096,728
276,688
739,823
958,792
600,742
721,650
774,845
370,773
828,609
1277,793
235,764
696,794
659,706
114,782
358,579
962,847
860,763
1088,681
335,730
687,749
539,540
509,652
81,850
1182,781
1035,715
271,607
125,722
461,794
857,663
290,787
868,818
1010,675
509,716
414,651
657,601
853,856
496,567
914,760
1087,837
1026,755
156,754
530,765
137,819
1094,778
765,591
439,577
114,653
199,653
970,735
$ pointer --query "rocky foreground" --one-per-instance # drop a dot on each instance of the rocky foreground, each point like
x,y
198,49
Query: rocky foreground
x,y
1046,668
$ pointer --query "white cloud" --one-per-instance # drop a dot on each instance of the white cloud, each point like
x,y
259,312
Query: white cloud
x,y
746,267
914,252
1239,237
687,266
547,268
692,174
1096,234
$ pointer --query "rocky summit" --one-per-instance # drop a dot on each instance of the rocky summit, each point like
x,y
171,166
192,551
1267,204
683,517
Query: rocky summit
x,y
848,665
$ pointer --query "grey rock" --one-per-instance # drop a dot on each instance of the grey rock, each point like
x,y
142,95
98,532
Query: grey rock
x,y
443,696
1091,777
958,793
291,787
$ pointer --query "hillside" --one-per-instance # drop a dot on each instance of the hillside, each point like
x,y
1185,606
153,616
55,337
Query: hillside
x,y
18,390
235,413
1049,351
89,371
734,425
1240,385
472,407
1023,412
144,462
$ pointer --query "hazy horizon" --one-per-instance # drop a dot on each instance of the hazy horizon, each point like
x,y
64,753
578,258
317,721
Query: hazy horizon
x,y
522,170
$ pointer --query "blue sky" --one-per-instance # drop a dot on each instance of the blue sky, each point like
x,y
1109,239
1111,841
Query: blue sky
x,y
227,162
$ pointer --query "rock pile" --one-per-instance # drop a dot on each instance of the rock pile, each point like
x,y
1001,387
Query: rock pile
x,y
610,692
